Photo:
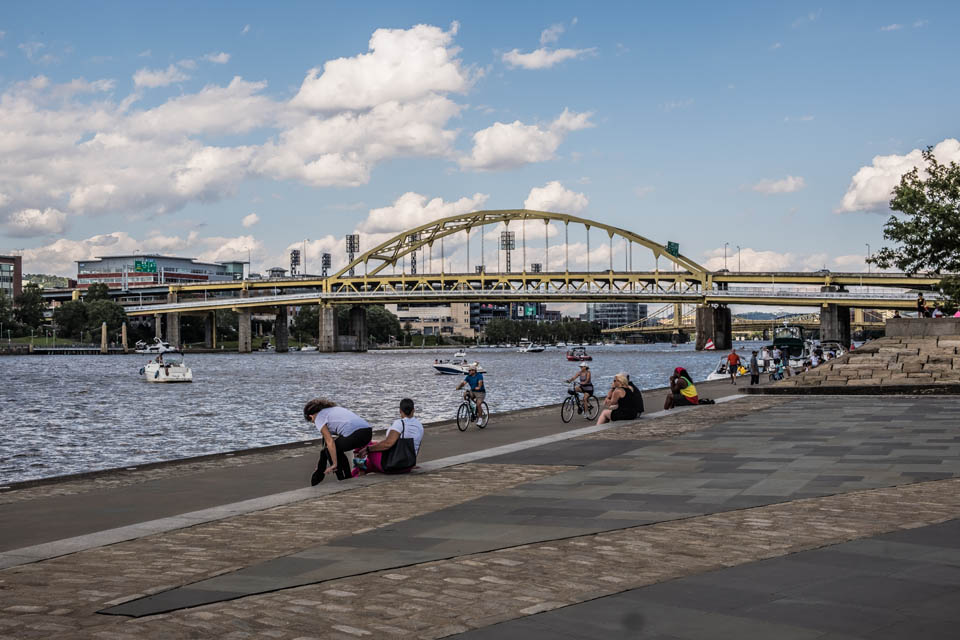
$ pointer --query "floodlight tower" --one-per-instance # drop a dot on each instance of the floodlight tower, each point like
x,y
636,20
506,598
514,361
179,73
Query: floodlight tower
x,y
412,238
294,261
325,262
508,243
536,267
353,247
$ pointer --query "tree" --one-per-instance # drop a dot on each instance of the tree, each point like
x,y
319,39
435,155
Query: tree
x,y
307,321
929,235
950,290
100,311
6,309
71,318
381,324
97,291
30,306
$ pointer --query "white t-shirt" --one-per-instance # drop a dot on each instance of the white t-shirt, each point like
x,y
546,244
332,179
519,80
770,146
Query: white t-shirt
x,y
340,421
414,429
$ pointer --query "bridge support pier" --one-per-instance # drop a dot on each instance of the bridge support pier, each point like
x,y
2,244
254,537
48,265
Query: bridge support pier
x,y
103,338
173,329
210,330
328,329
244,331
358,326
158,325
281,331
835,323
714,323
123,337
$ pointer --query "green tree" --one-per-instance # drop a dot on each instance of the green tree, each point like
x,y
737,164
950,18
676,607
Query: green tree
x,y
100,311
71,318
950,289
381,324
97,291
306,324
928,235
6,309
30,306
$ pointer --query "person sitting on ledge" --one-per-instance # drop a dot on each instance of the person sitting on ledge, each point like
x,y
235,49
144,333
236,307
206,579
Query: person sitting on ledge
x,y
368,459
351,430
682,390
623,401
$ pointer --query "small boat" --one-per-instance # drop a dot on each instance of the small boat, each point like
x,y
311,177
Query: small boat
x,y
158,347
460,354
308,347
456,367
561,344
578,354
722,372
167,368
529,347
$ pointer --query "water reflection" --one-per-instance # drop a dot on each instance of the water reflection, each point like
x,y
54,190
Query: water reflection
x,y
66,414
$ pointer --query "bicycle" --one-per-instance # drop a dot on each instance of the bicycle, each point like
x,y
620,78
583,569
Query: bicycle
x,y
467,412
589,407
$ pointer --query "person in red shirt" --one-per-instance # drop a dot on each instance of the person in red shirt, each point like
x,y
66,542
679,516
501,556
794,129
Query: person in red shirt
x,y
733,363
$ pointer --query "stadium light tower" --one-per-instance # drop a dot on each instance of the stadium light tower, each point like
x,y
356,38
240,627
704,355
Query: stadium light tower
x,y
412,238
353,247
508,243
325,262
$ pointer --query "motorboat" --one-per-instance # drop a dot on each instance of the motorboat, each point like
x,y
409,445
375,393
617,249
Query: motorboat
x,y
578,354
167,367
157,347
561,344
456,367
460,354
722,372
308,347
529,347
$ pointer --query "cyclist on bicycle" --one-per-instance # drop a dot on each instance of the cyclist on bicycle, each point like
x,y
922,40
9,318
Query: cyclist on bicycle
x,y
585,384
476,390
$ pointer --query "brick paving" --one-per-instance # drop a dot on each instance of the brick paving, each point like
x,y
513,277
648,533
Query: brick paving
x,y
436,599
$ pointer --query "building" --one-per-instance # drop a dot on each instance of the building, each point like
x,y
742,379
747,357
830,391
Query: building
x,y
614,314
427,319
147,270
237,269
11,275
483,312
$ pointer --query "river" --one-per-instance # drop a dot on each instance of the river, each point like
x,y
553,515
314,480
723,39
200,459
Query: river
x,y
69,414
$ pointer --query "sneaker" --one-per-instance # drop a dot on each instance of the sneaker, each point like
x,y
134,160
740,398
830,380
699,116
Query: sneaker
x,y
579,409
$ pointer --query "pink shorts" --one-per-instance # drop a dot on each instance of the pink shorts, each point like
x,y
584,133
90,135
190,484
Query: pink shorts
x,y
373,462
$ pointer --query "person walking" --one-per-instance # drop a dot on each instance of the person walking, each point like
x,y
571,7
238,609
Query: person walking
x,y
754,370
921,306
733,363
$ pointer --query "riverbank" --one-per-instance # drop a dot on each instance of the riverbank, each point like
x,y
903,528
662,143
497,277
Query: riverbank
x,y
680,524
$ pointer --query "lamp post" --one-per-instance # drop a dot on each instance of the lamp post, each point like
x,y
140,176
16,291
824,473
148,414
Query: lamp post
x,y
868,257
738,258
725,255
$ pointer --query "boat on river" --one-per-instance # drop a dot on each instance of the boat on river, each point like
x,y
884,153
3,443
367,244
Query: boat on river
x,y
578,354
529,347
456,367
167,367
158,347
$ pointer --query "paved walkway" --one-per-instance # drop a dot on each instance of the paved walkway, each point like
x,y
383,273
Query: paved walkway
x,y
566,521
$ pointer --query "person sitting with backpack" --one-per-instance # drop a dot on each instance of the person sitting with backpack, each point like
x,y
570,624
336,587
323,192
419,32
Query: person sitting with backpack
x,y
371,458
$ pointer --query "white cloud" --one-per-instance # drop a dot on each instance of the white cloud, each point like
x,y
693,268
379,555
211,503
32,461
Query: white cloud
x,y
217,58
643,191
871,187
402,66
551,33
892,27
187,63
412,210
34,222
153,78
785,185
250,220
504,146
673,105
775,46
543,58
245,30
556,198
146,53
920,23
812,16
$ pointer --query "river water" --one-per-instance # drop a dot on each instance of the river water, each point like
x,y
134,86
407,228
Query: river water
x,y
69,414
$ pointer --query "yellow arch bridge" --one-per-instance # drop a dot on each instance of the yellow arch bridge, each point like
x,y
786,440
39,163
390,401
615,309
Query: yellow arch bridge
x,y
472,258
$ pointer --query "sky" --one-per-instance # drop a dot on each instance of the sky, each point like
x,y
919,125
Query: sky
x,y
226,130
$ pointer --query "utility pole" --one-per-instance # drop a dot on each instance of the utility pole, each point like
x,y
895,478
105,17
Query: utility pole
x,y
868,258
738,258
725,255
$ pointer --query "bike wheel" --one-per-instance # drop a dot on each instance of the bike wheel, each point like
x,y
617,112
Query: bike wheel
x,y
485,418
567,409
592,408
463,417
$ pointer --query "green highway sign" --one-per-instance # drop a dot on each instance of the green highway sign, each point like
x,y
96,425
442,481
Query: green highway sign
x,y
673,249
145,266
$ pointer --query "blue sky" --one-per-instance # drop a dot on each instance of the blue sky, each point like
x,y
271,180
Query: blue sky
x,y
202,131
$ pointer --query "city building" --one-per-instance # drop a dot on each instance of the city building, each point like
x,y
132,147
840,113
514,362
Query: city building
x,y
11,275
427,319
147,270
614,314
237,269
483,312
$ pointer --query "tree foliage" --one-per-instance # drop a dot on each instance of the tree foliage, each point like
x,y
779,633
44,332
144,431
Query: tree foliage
x,y
97,291
30,306
100,311
950,290
381,324
6,309
71,319
928,235
500,330
306,324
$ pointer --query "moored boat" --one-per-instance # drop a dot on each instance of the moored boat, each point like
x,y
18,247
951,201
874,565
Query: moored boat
x,y
157,347
578,354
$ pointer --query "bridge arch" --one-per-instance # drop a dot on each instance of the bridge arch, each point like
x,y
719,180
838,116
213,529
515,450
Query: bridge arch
x,y
410,240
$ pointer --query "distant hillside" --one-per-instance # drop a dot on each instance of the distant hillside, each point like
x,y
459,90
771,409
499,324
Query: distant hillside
x,y
45,281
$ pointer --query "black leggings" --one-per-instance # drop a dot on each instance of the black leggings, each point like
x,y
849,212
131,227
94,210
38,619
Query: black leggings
x,y
357,439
